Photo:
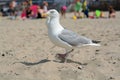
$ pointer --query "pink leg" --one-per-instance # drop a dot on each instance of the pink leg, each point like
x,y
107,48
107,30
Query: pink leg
x,y
62,57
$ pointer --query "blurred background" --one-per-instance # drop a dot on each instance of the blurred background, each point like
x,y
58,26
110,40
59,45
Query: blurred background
x,y
93,4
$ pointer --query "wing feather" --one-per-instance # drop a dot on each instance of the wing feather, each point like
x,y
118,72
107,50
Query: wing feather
x,y
73,38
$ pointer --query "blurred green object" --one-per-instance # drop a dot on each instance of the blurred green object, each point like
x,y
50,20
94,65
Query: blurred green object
x,y
98,13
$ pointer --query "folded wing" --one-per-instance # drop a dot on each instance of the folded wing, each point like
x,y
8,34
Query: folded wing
x,y
73,38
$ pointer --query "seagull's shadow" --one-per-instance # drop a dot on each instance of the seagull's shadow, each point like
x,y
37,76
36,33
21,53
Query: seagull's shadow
x,y
46,60
76,62
71,61
36,63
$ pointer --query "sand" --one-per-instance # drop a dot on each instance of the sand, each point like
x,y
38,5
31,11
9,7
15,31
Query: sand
x,y
26,53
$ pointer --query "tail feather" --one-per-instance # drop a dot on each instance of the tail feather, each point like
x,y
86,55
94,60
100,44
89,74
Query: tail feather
x,y
93,44
94,41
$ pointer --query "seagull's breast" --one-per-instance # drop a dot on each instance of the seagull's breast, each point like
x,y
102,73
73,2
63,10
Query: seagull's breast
x,y
57,41
54,29
53,35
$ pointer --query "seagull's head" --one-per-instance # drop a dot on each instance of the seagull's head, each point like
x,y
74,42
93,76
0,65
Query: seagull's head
x,y
53,13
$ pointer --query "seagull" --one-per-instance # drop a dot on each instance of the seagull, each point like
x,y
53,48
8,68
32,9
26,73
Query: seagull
x,y
64,38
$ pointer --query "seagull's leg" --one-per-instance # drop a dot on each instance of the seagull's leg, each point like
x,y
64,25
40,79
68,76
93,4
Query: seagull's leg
x,y
67,53
63,57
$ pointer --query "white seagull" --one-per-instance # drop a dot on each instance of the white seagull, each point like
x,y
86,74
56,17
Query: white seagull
x,y
65,38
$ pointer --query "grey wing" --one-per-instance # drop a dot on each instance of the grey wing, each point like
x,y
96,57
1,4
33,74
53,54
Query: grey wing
x,y
73,38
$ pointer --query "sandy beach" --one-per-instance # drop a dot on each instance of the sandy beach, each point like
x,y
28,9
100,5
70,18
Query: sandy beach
x,y
26,53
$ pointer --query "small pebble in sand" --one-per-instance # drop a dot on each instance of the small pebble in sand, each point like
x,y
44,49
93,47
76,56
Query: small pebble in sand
x,y
97,50
7,52
16,74
101,35
105,44
114,62
111,78
96,53
80,67
3,54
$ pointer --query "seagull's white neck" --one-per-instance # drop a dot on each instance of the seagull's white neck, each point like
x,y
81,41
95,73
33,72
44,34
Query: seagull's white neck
x,y
54,25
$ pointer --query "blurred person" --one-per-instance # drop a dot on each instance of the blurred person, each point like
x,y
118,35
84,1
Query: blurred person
x,y
77,8
63,11
30,2
24,5
12,11
45,6
23,14
85,8
34,9
111,12
28,12
14,3
4,10
41,13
